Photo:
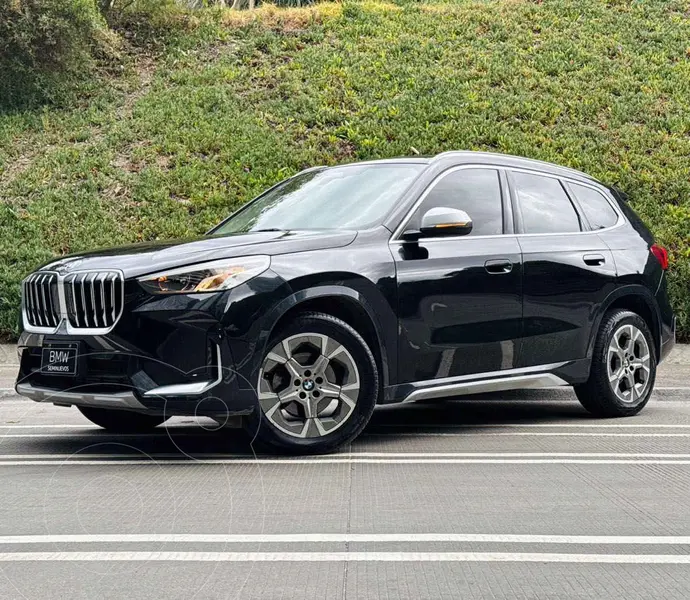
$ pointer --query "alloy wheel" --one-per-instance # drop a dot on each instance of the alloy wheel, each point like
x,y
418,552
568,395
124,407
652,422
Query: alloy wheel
x,y
628,364
308,385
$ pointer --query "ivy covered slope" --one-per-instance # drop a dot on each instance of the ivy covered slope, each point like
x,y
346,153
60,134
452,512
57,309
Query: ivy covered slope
x,y
177,139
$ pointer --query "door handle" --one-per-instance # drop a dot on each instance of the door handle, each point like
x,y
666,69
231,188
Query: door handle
x,y
594,260
498,266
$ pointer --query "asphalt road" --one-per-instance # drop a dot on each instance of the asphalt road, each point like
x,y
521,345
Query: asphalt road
x,y
516,496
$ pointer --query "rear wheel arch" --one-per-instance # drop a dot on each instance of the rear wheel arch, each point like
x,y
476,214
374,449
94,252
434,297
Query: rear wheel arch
x,y
636,299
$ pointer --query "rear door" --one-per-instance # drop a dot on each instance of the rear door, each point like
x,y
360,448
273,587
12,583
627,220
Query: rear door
x,y
460,303
568,269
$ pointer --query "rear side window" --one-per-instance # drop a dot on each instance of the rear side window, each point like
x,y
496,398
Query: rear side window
x,y
476,191
544,205
596,207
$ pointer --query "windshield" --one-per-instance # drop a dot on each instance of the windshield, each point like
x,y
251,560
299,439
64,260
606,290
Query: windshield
x,y
349,197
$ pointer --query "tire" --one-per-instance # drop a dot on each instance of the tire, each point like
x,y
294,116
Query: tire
x,y
622,397
314,411
121,421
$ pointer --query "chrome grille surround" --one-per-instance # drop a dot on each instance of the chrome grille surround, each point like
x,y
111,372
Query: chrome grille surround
x,y
89,302
40,303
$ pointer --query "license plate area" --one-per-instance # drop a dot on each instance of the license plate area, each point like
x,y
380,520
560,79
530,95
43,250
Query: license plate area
x,y
60,359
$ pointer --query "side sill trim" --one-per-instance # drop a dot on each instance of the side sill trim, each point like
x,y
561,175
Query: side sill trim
x,y
126,400
536,380
190,389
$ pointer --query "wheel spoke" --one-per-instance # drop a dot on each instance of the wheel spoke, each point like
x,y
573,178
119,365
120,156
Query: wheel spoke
x,y
347,400
289,395
320,426
294,368
638,338
640,364
614,349
631,386
336,351
319,366
330,390
616,375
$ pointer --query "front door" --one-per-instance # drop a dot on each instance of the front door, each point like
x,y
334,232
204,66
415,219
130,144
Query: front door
x,y
460,298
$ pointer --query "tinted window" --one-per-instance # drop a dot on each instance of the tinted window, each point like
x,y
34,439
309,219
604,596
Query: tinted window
x,y
544,205
596,207
348,197
476,191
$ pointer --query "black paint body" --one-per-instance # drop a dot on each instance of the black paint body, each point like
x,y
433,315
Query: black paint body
x,y
431,311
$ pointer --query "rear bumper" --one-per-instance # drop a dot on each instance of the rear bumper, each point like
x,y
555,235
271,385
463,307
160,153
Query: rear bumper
x,y
668,340
667,320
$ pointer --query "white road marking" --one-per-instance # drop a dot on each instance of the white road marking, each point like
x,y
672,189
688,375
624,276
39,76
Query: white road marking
x,y
178,434
558,425
102,434
79,426
520,433
201,457
671,388
308,538
302,557
542,425
349,460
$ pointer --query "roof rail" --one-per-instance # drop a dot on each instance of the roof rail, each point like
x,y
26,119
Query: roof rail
x,y
513,156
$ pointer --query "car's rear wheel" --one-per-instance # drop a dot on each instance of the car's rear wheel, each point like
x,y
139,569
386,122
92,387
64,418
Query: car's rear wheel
x,y
623,367
317,386
121,421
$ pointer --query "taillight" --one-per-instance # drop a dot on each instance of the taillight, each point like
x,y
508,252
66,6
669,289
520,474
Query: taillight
x,y
661,255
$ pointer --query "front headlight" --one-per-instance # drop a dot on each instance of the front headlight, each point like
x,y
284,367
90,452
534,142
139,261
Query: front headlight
x,y
206,277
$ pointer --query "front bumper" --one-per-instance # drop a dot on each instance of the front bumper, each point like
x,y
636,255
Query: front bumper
x,y
166,355
122,380
116,380
178,354
116,400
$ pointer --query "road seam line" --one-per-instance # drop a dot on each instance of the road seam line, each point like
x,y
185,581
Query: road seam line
x,y
303,557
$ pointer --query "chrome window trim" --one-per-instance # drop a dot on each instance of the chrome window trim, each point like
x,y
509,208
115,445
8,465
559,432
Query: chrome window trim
x,y
562,178
395,238
400,228
602,192
63,317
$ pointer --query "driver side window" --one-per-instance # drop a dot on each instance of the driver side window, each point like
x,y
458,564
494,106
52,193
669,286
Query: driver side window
x,y
476,191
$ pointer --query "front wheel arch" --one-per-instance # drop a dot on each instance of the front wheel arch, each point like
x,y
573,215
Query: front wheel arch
x,y
345,304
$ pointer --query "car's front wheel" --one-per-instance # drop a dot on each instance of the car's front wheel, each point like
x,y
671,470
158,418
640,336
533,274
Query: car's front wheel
x,y
317,386
623,367
121,421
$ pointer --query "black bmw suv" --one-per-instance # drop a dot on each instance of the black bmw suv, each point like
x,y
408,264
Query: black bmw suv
x,y
345,287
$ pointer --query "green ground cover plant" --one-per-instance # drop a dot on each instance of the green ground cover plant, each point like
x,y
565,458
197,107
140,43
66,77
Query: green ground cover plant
x,y
190,130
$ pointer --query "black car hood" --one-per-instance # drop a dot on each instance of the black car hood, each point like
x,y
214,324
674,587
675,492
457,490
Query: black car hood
x,y
141,259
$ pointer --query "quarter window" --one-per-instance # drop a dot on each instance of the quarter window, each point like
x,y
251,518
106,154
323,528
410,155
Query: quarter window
x,y
596,207
544,205
476,191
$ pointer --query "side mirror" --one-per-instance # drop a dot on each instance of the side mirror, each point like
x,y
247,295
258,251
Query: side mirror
x,y
442,221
